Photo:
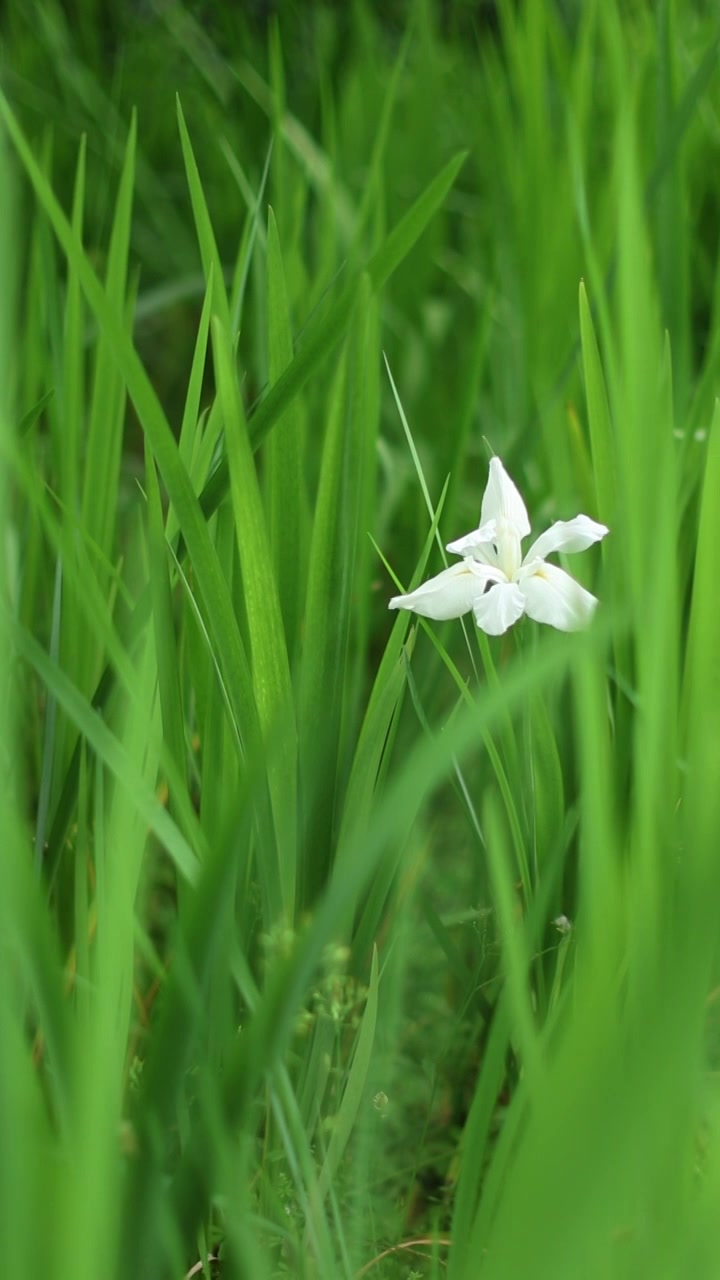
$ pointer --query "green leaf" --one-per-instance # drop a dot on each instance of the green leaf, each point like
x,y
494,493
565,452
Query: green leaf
x,y
212,266
547,786
328,602
105,430
28,420
601,432
702,667
73,389
372,745
109,749
171,704
269,660
284,468
401,239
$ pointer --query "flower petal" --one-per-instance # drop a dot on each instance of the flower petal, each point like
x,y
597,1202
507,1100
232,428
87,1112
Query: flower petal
x,y
450,594
499,608
478,544
567,535
501,498
552,596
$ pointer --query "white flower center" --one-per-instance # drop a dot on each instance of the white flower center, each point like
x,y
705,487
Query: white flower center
x,y
506,546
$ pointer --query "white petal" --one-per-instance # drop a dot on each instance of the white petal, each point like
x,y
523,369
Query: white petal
x,y
567,535
498,608
552,596
450,594
501,498
478,544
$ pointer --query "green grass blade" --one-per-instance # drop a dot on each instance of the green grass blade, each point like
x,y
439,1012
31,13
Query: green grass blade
x,y
329,330
212,585
601,432
212,265
74,362
105,428
171,704
285,487
701,677
328,603
109,749
269,657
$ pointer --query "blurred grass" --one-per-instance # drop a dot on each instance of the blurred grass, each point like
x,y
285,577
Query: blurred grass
x,y
283,990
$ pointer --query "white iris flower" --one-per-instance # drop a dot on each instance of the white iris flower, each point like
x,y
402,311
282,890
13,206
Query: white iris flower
x,y
495,581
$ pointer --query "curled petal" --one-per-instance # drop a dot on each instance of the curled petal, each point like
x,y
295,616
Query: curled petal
x,y
567,535
501,499
552,596
450,594
478,544
499,608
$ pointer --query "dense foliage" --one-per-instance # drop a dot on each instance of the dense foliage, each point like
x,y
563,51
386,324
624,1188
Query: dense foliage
x,y
336,942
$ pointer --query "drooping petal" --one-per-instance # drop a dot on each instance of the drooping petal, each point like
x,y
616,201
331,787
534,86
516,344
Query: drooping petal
x,y
552,596
501,498
499,608
478,544
567,535
450,594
